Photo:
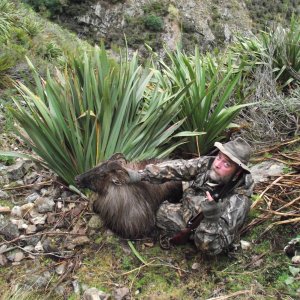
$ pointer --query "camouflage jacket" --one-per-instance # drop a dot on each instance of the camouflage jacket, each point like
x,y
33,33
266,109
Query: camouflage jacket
x,y
210,236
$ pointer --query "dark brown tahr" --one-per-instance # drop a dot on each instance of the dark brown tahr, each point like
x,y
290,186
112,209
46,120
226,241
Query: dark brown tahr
x,y
126,208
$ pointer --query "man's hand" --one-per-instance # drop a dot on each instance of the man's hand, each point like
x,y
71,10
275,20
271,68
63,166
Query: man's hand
x,y
210,208
209,197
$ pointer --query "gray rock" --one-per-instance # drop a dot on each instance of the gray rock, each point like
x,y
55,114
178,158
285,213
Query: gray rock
x,y
28,248
44,205
3,195
296,259
32,197
16,212
95,294
195,266
120,293
20,223
95,222
60,290
77,241
39,247
263,171
3,249
18,256
31,229
3,179
9,230
15,256
76,287
3,260
245,245
32,240
26,209
19,169
38,219
38,281
31,177
18,182
60,269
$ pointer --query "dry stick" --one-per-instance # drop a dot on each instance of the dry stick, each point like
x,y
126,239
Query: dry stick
x,y
255,260
282,214
131,284
245,292
279,223
154,265
5,209
288,204
284,202
139,268
257,221
28,185
197,143
278,146
260,196
290,157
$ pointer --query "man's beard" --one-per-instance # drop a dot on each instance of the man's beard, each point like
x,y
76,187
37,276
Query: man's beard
x,y
212,175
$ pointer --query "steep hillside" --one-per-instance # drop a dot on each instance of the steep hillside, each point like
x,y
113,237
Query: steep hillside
x,y
206,23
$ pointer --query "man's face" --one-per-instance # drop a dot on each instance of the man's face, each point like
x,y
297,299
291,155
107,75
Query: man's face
x,y
222,169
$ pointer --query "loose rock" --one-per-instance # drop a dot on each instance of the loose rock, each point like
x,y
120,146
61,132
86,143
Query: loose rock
x,y
3,195
44,205
3,260
296,259
60,269
245,245
9,230
95,222
94,294
120,293
32,197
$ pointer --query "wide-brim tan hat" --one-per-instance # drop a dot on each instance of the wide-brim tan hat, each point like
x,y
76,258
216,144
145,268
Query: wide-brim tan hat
x,y
237,150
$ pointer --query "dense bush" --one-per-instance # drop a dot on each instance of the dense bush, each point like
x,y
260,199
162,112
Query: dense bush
x,y
279,47
52,6
210,85
100,106
153,22
264,13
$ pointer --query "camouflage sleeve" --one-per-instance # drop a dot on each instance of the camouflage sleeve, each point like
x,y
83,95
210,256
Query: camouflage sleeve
x,y
181,170
213,237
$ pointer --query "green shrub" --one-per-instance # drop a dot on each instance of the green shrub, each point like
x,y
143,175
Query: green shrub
x,y
7,18
50,51
99,107
7,160
153,22
31,26
20,37
159,8
7,61
206,104
279,47
53,6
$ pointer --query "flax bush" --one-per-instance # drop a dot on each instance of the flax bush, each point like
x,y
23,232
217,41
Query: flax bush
x,y
98,107
278,46
207,104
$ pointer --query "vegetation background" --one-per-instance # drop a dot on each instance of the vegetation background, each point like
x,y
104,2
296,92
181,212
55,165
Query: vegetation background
x,y
76,101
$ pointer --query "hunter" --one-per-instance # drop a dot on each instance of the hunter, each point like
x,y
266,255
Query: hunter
x,y
219,187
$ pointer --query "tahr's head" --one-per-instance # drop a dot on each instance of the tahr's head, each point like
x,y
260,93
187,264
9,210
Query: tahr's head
x,y
109,172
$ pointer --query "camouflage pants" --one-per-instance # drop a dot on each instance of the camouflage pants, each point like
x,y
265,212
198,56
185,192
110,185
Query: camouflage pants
x,y
169,217
173,217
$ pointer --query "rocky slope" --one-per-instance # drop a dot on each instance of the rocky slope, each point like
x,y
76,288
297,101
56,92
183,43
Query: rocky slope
x,y
204,23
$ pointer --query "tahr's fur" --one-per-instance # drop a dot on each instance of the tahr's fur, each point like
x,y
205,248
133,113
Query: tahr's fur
x,y
126,208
